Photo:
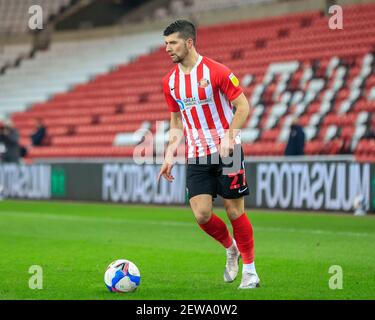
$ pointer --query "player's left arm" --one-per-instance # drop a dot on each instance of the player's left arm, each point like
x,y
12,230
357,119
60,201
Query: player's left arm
x,y
230,86
239,119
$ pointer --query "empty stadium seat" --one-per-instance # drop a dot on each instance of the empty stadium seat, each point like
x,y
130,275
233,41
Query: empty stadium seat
x,y
290,66
14,14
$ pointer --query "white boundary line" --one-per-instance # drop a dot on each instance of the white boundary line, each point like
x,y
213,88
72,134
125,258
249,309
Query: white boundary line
x,y
120,220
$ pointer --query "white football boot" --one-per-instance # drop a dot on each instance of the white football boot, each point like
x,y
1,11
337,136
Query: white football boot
x,y
231,267
249,281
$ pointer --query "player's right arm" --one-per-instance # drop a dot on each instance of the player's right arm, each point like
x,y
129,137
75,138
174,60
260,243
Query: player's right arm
x,y
175,133
176,136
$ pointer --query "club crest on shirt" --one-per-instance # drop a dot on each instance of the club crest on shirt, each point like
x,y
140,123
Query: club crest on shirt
x,y
203,83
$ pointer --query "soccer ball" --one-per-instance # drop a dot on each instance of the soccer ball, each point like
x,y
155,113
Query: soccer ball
x,y
122,276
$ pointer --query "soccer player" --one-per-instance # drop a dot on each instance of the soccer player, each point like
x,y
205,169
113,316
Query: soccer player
x,y
201,94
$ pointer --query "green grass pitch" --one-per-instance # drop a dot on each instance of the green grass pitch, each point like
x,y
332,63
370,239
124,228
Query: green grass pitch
x,y
74,243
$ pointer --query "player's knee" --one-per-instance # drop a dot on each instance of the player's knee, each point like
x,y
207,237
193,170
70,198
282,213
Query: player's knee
x,y
233,212
202,218
202,210
202,214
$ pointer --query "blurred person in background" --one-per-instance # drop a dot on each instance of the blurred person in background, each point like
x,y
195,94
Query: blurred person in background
x,y
9,138
40,132
369,133
296,141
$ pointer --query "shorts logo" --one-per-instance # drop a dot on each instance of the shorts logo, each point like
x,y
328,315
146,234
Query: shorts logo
x,y
243,190
203,83
234,80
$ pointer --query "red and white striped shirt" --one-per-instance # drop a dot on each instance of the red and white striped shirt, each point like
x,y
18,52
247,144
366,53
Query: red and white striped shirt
x,y
203,97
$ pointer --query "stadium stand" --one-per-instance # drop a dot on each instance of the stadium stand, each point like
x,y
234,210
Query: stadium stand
x,y
192,7
14,19
196,6
57,69
9,54
290,66
14,14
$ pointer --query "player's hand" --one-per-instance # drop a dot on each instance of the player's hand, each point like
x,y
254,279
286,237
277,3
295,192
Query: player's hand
x,y
226,147
165,171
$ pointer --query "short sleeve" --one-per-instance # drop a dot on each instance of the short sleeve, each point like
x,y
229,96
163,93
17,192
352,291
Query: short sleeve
x,y
228,82
171,102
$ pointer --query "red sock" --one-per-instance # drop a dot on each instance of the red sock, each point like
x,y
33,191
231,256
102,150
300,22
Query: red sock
x,y
218,230
243,233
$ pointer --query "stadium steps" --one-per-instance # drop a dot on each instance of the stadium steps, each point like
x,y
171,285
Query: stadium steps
x,y
60,68
330,91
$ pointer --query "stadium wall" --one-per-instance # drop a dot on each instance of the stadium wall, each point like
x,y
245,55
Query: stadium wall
x,y
305,184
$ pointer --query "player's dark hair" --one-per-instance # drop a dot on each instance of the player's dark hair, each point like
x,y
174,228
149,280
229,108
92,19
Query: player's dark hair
x,y
184,27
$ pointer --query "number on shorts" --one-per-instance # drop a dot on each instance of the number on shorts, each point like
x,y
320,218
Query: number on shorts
x,y
235,175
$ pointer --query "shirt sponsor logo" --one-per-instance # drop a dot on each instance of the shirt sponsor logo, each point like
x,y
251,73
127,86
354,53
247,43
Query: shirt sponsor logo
x,y
188,103
181,104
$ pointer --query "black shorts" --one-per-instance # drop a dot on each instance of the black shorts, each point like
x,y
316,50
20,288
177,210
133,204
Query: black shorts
x,y
216,176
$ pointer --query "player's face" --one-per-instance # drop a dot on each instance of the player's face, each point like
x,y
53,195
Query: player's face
x,y
176,47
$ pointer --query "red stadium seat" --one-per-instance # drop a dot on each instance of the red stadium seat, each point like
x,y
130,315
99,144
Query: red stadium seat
x,y
84,121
